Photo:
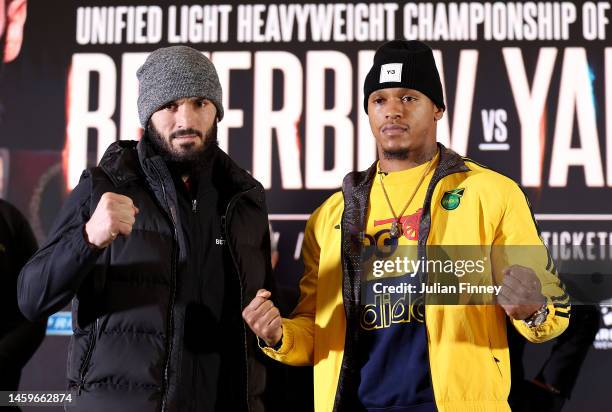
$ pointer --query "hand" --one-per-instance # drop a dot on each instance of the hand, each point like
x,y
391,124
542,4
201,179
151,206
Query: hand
x,y
115,215
263,318
521,292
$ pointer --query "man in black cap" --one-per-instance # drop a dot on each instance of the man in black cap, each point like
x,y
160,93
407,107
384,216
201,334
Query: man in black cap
x,y
159,248
374,344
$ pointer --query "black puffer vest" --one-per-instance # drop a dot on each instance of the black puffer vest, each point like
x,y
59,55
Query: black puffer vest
x,y
128,343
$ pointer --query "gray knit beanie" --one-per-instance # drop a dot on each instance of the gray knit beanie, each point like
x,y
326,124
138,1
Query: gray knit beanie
x,y
173,73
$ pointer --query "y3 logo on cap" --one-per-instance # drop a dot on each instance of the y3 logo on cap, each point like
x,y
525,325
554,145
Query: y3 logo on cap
x,y
391,72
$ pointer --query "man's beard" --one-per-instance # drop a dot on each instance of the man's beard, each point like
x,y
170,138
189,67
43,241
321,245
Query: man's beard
x,y
190,162
399,154
419,156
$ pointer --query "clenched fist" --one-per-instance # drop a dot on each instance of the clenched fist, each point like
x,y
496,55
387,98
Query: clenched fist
x,y
521,292
115,215
263,318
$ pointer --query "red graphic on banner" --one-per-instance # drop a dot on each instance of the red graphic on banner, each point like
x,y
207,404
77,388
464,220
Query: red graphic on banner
x,y
410,224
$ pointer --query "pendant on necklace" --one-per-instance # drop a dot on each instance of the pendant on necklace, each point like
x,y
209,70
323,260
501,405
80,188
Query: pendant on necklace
x,y
396,230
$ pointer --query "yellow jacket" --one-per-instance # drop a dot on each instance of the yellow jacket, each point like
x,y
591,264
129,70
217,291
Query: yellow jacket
x,y
468,349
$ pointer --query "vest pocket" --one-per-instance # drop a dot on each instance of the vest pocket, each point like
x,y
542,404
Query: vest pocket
x,y
90,348
495,360
495,346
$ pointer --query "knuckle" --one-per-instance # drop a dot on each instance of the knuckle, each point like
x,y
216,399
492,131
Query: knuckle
x,y
104,203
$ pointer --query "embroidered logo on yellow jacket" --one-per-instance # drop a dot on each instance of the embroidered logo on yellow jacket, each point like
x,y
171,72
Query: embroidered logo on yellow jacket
x,y
466,204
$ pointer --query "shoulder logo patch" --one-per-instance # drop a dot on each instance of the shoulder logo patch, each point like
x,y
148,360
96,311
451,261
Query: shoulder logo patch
x,y
452,199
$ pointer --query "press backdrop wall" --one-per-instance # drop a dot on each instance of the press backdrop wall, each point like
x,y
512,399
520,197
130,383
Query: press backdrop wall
x,y
528,88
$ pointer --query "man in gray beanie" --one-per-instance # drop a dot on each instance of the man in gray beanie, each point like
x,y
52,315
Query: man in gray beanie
x,y
160,247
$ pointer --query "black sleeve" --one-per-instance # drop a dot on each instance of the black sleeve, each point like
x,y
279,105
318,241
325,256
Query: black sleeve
x,y
266,247
52,277
19,343
24,237
562,368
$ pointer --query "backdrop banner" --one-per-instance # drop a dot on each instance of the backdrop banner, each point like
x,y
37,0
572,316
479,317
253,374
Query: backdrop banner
x,y
527,85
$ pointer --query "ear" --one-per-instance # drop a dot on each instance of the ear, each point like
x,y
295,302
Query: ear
x,y
15,19
438,113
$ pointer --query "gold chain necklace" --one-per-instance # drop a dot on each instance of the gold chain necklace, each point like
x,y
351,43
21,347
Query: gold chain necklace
x,y
396,229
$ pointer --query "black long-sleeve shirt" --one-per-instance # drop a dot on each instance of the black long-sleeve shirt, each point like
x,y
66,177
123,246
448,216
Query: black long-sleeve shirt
x,y
19,338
